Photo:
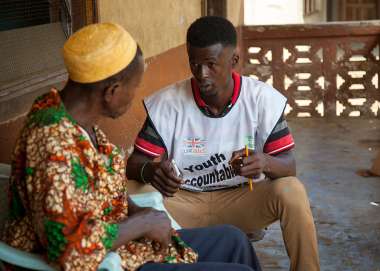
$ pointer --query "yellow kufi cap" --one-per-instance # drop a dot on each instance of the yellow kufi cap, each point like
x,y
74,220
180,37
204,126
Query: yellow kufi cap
x,y
97,52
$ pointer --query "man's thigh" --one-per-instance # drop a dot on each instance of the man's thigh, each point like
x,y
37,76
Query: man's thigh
x,y
254,210
236,206
245,209
241,207
190,209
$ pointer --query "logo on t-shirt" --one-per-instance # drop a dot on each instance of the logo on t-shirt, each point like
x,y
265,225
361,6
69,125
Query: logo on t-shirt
x,y
194,146
249,141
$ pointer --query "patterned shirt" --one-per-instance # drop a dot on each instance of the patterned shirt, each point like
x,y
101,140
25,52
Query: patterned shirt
x,y
68,196
150,143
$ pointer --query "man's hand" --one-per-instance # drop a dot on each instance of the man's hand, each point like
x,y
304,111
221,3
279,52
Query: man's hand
x,y
158,227
251,166
159,174
162,177
146,222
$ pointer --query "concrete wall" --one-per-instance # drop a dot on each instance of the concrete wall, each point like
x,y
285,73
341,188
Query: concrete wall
x,y
157,25
258,12
235,11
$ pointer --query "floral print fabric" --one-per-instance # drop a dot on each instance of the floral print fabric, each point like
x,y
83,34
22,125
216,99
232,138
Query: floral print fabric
x,y
68,196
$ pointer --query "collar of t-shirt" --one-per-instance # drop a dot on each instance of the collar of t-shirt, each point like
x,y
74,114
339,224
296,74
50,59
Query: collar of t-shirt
x,y
205,108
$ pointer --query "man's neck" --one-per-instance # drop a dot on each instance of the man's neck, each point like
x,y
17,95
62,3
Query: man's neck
x,y
216,104
84,111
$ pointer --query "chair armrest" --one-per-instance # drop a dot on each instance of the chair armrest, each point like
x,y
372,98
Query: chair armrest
x,y
21,258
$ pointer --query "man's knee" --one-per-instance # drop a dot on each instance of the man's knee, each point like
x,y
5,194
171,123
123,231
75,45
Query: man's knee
x,y
232,233
290,192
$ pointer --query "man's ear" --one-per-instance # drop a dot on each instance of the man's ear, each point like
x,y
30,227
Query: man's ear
x,y
235,59
110,91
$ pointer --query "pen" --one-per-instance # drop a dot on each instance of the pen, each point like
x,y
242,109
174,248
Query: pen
x,y
250,179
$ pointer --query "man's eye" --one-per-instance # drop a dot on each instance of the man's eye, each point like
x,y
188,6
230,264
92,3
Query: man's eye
x,y
211,64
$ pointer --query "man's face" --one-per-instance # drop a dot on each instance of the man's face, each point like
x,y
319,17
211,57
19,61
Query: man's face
x,y
122,99
212,67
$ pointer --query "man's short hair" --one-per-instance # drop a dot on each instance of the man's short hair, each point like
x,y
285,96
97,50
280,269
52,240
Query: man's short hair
x,y
210,30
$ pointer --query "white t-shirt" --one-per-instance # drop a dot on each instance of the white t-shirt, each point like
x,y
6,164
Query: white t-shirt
x,y
202,145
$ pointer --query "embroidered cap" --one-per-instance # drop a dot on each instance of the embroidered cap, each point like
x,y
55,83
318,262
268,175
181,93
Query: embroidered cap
x,y
97,52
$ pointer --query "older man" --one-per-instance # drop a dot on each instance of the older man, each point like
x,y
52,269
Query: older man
x,y
68,185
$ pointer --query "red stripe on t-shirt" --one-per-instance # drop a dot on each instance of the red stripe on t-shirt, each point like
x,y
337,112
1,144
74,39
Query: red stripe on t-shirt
x,y
148,148
285,148
197,94
279,145
237,82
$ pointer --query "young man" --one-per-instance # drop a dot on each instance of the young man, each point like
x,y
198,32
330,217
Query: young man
x,y
204,124
68,197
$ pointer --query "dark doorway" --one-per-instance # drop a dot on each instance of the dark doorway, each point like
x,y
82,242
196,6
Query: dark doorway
x,y
215,8
353,10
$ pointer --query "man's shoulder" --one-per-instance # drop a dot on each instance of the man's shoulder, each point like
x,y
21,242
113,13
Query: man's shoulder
x,y
259,90
172,91
172,94
254,85
58,134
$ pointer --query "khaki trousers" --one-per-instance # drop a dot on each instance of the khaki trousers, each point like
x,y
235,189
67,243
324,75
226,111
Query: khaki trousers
x,y
284,199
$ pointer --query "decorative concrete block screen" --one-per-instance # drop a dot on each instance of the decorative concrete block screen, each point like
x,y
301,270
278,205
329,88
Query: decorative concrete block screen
x,y
324,70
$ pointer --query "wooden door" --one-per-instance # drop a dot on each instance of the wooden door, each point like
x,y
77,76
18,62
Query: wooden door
x,y
358,10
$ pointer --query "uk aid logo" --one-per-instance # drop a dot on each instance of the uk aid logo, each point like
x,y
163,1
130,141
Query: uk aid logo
x,y
195,146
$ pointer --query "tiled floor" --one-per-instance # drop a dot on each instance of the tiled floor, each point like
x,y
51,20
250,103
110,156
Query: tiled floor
x,y
328,153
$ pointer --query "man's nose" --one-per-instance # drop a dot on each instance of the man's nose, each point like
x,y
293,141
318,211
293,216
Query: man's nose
x,y
203,71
